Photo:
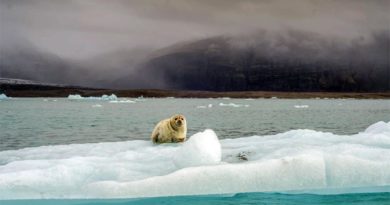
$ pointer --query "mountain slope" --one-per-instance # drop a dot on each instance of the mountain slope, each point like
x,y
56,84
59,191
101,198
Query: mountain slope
x,y
286,61
21,59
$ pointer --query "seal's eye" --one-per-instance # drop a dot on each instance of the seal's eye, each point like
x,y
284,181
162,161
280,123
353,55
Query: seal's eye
x,y
175,118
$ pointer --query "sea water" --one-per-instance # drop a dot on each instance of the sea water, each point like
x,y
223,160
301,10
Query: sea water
x,y
242,198
31,122
240,151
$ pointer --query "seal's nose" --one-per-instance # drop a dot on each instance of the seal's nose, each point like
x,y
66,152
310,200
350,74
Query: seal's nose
x,y
179,122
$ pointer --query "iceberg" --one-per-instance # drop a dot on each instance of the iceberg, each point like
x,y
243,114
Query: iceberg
x,y
296,161
301,106
109,97
140,99
121,101
201,106
103,97
3,97
232,105
75,97
204,106
202,148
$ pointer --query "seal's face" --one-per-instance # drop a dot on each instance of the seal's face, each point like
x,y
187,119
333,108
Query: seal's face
x,y
178,120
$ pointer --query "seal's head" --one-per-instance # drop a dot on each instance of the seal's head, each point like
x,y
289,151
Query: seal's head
x,y
178,120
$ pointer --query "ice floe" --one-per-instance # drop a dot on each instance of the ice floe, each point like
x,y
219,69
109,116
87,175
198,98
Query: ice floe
x,y
301,106
232,105
122,101
103,97
304,160
204,106
3,97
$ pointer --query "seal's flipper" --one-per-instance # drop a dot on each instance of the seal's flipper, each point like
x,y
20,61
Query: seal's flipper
x,y
155,138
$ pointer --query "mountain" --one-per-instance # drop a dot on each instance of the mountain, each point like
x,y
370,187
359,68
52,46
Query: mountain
x,y
17,82
21,59
108,67
289,60
286,61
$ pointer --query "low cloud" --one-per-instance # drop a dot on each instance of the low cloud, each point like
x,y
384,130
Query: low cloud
x,y
84,28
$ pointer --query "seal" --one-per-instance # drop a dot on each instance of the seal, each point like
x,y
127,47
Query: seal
x,y
173,129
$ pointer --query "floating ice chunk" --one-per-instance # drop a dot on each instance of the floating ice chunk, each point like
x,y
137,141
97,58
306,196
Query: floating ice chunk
x,y
122,101
109,97
3,97
97,105
48,100
140,99
301,106
203,148
379,127
204,106
232,105
274,97
75,97
103,97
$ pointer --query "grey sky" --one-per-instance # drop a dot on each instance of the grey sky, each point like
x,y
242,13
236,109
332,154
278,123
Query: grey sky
x,y
84,28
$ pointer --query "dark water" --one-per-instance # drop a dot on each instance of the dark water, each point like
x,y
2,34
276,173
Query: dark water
x,y
31,122
244,198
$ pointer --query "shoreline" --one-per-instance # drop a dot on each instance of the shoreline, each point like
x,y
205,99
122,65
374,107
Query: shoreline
x,y
65,92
